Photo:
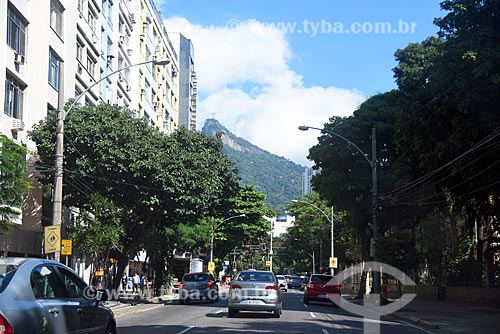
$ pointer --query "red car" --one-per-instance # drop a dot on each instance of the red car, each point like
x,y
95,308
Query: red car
x,y
321,288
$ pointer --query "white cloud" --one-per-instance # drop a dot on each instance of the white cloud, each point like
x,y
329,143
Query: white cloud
x,y
229,60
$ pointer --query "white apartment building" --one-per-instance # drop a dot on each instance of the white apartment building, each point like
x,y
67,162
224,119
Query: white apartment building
x,y
54,50
306,179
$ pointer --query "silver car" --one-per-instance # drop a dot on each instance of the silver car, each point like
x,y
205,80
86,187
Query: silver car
x,y
254,290
42,296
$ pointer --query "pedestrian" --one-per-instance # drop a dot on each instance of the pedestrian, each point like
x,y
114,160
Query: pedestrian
x,y
124,282
142,283
135,283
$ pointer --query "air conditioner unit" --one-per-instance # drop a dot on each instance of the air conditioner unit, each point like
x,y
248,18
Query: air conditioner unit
x,y
156,104
121,78
129,88
129,52
17,125
142,37
148,19
131,17
143,91
19,59
79,69
121,39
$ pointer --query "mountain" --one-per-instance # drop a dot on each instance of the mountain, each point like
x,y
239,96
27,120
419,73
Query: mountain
x,y
277,177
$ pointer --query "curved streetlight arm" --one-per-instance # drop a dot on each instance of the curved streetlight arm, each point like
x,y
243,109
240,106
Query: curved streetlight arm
x,y
305,128
154,61
212,233
305,202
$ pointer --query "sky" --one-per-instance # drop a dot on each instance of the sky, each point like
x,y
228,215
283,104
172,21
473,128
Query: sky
x,y
266,67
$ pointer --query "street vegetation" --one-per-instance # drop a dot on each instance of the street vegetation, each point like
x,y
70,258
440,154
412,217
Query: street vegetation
x,y
136,189
438,148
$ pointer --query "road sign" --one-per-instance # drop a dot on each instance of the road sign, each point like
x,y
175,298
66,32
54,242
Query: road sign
x,y
99,273
66,247
211,266
333,262
52,238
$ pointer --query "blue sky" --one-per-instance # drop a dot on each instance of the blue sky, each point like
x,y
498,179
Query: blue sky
x,y
266,67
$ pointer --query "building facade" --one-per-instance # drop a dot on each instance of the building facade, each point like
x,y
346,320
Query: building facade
x,y
188,82
306,180
55,50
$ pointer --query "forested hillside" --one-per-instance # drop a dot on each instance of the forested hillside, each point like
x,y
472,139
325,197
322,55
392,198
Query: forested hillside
x,y
276,177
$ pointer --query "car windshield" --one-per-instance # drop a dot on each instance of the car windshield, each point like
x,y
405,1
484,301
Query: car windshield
x,y
280,277
196,277
261,277
7,271
321,278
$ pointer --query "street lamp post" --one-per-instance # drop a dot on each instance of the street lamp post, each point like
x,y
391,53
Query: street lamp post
x,y
212,233
373,166
59,156
330,220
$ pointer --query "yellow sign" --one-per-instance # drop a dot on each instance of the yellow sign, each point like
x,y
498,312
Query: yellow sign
x,y
333,262
99,273
268,264
66,247
211,266
52,238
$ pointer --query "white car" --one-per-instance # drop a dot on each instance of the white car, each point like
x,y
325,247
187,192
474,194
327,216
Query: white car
x,y
282,282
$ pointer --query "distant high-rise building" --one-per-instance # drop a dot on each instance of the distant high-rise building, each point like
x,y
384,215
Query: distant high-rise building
x,y
306,179
188,82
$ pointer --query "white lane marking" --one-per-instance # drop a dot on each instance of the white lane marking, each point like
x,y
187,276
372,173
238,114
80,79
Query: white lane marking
x,y
306,306
312,314
186,330
325,331
151,308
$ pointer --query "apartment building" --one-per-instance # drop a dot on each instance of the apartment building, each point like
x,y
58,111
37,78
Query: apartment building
x,y
188,81
93,50
306,179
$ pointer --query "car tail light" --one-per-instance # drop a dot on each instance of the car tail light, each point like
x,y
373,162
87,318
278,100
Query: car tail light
x,y
181,286
235,286
272,287
209,284
5,327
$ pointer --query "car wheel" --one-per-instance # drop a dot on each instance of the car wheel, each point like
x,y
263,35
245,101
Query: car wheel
x,y
232,313
110,330
286,290
277,313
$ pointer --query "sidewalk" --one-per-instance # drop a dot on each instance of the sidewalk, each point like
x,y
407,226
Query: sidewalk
x,y
446,317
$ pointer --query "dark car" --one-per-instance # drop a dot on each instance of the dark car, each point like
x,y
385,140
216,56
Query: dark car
x,y
304,282
198,286
321,288
42,296
295,282
255,290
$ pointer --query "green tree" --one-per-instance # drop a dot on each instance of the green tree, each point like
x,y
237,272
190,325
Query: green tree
x,y
14,181
98,231
157,182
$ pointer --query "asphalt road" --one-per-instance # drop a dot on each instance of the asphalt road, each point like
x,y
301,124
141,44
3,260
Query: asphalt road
x,y
204,317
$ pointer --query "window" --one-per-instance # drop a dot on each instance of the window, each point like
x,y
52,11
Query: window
x,y
81,5
75,288
13,97
91,65
56,17
79,51
91,19
16,30
54,63
45,284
